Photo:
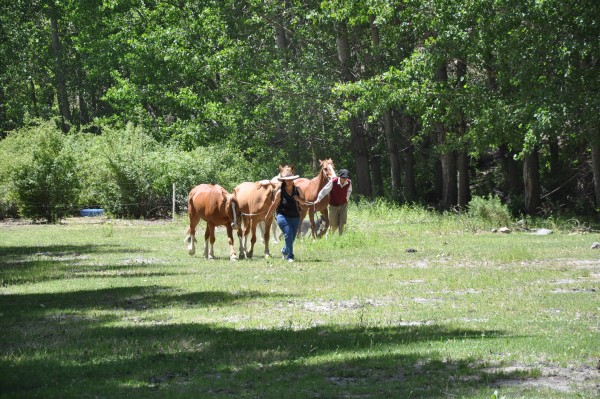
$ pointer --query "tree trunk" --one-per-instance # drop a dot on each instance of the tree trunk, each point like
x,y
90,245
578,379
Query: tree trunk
x,y
357,134
531,178
61,84
447,157
392,147
449,194
462,159
596,169
361,159
280,37
512,172
408,130
464,190
84,114
388,127
438,181
376,177
34,100
315,159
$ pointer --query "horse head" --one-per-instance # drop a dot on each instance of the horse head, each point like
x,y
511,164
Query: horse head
x,y
286,169
327,168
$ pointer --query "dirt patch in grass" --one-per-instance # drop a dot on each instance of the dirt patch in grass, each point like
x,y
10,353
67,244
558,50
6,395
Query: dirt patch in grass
x,y
352,304
561,379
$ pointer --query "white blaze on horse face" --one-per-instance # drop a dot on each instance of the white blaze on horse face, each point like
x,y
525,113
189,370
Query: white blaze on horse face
x,y
330,167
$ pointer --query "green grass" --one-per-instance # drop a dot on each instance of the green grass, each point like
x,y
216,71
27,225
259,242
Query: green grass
x,y
118,309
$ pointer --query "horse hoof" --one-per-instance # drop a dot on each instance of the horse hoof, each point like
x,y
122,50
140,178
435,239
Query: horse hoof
x,y
191,252
233,258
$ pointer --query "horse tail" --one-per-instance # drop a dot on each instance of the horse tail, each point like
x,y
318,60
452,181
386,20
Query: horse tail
x,y
233,203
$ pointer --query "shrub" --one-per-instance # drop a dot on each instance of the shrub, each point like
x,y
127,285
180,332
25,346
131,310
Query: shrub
x,y
11,155
187,169
45,182
489,211
130,175
117,172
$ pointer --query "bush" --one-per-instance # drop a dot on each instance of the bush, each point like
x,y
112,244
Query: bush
x,y
46,174
117,171
45,183
490,211
187,169
130,175
11,155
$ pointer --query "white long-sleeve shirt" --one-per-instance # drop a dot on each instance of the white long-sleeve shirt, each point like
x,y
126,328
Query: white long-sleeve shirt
x,y
329,186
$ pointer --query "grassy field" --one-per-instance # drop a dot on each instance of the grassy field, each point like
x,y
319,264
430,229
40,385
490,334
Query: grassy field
x,y
97,308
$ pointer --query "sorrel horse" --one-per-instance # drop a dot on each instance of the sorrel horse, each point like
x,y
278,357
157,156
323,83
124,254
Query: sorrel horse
x,y
311,189
255,199
214,205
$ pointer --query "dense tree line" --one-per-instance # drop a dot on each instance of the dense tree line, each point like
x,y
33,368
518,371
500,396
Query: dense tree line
x,y
424,101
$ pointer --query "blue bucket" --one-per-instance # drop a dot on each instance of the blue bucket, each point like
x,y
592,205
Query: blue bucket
x,y
91,212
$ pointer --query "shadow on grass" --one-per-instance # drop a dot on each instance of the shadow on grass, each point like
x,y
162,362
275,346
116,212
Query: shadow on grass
x,y
121,298
28,264
49,353
24,252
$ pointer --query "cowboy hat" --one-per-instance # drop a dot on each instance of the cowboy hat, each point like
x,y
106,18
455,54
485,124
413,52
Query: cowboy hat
x,y
287,175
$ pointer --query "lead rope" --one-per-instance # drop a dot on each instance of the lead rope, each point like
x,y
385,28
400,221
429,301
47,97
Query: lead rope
x,y
253,214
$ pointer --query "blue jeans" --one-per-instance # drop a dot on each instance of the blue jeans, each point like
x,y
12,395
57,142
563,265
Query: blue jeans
x,y
289,227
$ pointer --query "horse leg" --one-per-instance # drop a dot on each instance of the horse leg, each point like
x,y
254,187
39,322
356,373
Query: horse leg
x,y
302,216
274,231
246,224
261,228
252,238
232,255
209,239
240,234
190,238
268,224
247,227
311,218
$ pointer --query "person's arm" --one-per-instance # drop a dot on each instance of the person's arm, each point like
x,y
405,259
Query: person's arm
x,y
300,197
324,191
275,201
349,192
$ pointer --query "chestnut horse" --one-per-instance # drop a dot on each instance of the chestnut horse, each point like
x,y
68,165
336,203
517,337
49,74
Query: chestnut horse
x,y
311,189
255,199
213,204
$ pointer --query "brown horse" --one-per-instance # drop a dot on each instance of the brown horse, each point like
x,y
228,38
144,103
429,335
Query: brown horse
x,y
255,199
213,204
311,189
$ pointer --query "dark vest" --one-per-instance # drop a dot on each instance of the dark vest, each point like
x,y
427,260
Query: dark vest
x,y
338,195
288,205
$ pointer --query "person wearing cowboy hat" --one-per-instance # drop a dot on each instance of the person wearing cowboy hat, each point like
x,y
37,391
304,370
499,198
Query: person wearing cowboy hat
x,y
339,189
288,212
